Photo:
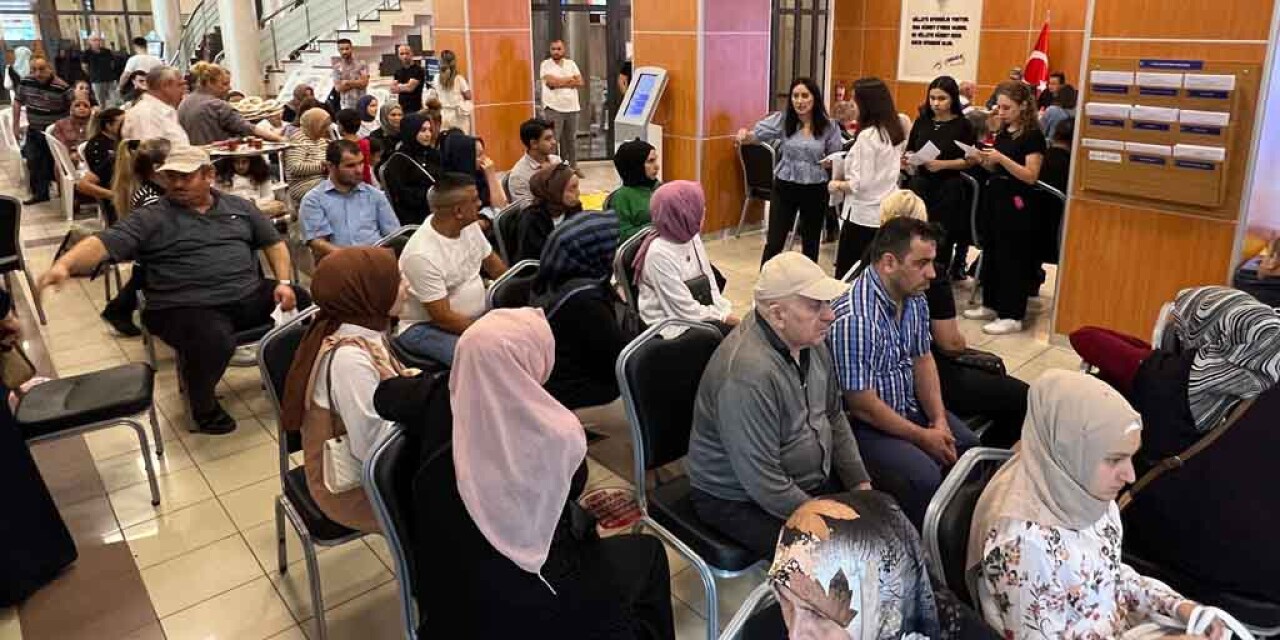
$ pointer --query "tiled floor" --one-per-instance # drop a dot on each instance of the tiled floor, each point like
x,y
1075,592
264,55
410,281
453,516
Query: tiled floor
x,y
206,555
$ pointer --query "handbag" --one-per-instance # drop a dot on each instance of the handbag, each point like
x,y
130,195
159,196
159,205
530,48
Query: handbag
x,y
978,359
342,470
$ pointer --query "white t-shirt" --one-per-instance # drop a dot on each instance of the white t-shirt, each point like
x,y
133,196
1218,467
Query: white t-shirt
x,y
438,267
564,100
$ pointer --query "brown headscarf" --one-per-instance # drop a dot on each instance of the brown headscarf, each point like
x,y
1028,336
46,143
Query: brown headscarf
x,y
354,285
547,187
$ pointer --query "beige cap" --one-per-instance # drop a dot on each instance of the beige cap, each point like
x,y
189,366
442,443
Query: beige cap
x,y
185,160
790,273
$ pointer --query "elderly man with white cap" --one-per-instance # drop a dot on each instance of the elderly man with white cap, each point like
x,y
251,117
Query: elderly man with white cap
x,y
769,431
203,281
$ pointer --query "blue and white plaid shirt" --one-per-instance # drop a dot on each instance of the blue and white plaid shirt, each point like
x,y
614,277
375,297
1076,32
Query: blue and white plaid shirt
x,y
873,348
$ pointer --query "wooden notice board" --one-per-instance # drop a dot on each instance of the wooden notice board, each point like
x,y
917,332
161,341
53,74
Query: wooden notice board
x,y
1141,142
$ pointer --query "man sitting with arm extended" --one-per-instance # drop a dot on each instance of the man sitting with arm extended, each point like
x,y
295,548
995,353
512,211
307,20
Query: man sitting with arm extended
x,y
769,432
442,263
344,211
203,279
881,344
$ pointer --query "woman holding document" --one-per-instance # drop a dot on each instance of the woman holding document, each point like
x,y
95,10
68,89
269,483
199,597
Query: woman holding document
x,y
936,167
869,171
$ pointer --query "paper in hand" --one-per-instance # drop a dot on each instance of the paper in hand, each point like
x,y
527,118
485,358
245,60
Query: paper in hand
x,y
969,152
835,157
928,153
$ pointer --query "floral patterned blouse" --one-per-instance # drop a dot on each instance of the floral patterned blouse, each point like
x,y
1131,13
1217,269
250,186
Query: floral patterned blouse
x,y
1052,582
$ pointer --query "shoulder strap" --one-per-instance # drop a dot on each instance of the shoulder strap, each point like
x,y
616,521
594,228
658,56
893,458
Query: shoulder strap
x,y
1173,462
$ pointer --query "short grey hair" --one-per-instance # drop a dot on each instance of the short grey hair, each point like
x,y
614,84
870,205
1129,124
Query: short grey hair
x,y
162,74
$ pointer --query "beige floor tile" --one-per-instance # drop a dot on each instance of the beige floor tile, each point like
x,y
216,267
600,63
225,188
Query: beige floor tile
x,y
690,625
251,611
179,489
205,448
346,571
293,633
262,542
252,505
173,534
75,370
105,444
242,469
128,468
74,356
730,593
375,614
10,626
197,576
1016,350
378,545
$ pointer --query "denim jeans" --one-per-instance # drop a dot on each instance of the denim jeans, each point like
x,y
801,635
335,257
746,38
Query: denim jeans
x,y
426,340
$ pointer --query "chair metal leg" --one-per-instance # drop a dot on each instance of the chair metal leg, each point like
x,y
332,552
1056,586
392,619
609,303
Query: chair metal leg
x,y
146,459
35,298
742,219
155,430
791,236
313,576
282,550
977,280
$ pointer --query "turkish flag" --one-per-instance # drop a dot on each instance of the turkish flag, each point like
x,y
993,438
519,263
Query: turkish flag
x,y
1036,71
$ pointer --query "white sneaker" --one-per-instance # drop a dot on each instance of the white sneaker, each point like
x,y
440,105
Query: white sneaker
x,y
246,356
1002,327
981,313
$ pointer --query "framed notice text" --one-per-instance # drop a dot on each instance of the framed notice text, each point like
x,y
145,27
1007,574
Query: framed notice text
x,y
939,37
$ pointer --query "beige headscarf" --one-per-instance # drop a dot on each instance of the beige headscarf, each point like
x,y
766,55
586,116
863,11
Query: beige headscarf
x,y
515,449
1073,422
315,123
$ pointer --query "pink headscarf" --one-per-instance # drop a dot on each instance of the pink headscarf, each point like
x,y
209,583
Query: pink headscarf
x,y
677,209
515,448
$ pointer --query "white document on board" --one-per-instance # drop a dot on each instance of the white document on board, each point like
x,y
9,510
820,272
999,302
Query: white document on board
x,y
1162,150
1160,80
1204,118
1106,145
1211,82
1106,156
1199,152
1118,78
928,153
1106,110
1153,114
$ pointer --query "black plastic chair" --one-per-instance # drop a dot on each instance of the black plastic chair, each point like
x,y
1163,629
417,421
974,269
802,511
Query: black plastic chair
x,y
624,265
11,256
512,289
507,227
659,379
975,198
757,162
1053,205
295,504
391,460
506,186
950,512
608,200
94,401
396,240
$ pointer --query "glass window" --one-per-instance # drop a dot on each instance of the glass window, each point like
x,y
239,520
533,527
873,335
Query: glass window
x,y
140,6
784,62
74,6
114,30
104,5
799,43
140,25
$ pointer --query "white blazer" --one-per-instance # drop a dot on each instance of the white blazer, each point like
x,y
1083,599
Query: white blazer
x,y
871,170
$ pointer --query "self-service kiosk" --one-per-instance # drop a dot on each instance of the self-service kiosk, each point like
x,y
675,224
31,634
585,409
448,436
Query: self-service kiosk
x,y
635,117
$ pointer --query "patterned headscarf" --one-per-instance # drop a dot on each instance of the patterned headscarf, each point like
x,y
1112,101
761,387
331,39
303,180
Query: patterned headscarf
x,y
1237,343
581,248
856,559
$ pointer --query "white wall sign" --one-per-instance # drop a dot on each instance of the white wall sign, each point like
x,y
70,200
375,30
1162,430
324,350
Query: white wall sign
x,y
939,37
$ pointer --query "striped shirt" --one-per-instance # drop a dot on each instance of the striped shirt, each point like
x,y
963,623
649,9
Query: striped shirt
x,y
46,102
873,348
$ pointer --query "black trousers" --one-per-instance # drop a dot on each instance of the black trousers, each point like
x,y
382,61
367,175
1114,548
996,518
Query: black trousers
x,y
39,164
809,201
204,338
968,392
854,241
745,522
948,200
621,589
1011,256
126,300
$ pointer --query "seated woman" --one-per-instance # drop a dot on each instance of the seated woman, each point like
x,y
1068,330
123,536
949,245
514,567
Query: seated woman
x,y
294,108
100,159
304,161
367,107
338,366
412,169
637,165
672,269
133,186
71,130
1044,546
250,178
555,200
850,566
465,154
499,506
388,134
572,286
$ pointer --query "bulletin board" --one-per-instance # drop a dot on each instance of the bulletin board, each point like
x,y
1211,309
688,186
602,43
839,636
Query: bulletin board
x,y
1172,131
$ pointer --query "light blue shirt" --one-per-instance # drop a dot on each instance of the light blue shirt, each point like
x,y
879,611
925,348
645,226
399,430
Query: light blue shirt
x,y
799,154
359,217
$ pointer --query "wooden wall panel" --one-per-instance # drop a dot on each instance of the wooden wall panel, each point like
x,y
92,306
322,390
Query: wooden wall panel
x,y
678,53
503,66
664,15
499,125
499,14
450,14
880,53
1198,19
1007,15
679,158
721,178
849,14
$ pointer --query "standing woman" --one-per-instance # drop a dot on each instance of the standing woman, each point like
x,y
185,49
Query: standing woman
x,y
802,135
1011,261
412,169
869,171
454,94
938,182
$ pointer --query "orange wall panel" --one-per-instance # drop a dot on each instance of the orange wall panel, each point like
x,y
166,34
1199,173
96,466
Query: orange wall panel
x,y
1065,50
455,41
679,158
883,14
880,53
678,53
1223,52
846,53
735,82
1002,50
848,14
450,13
503,70
1006,14
1217,20
499,125
908,96
1067,15
664,15
499,14
721,178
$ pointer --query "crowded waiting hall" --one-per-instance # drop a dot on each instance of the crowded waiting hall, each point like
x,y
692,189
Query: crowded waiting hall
x,y
639,320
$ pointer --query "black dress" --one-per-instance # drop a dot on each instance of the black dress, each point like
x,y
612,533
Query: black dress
x,y
613,588
1011,254
408,179
588,343
944,193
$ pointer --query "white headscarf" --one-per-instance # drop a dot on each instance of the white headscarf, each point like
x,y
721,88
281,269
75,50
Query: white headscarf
x,y
21,65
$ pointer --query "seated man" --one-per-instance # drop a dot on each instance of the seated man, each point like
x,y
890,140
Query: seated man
x,y
539,139
769,432
442,263
881,344
203,279
343,211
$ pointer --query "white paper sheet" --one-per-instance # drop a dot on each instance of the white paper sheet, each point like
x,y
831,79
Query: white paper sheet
x,y
834,158
1104,110
1153,114
1211,82
969,152
1160,80
1099,143
928,153
1120,78
1162,150
1106,156
1205,118
1199,152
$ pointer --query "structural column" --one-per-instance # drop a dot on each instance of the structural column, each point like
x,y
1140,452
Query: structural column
x,y
168,21
493,42
717,56
241,42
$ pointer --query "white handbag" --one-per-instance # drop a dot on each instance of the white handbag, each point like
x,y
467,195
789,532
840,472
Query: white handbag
x,y
342,470
1203,617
